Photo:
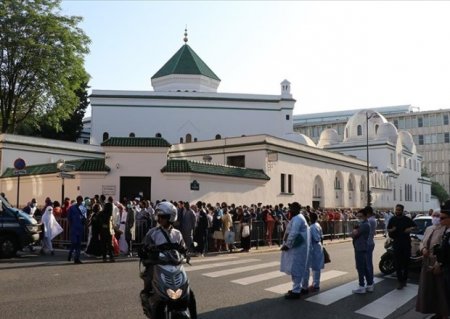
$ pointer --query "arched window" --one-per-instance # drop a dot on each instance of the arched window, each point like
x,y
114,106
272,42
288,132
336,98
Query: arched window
x,y
105,136
337,183
350,185
195,139
376,129
188,138
218,137
132,134
359,130
181,140
158,135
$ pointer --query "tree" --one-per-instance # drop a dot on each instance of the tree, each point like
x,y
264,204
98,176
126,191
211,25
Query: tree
x,y
70,128
41,63
439,191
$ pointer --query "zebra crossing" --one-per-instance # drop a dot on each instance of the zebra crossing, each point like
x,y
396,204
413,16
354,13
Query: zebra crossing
x,y
237,269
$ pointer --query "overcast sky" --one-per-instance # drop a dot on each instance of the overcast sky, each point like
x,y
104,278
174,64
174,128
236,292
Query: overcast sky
x,y
337,55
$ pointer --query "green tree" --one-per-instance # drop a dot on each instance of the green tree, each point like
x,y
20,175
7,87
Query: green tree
x,y
71,127
41,63
439,191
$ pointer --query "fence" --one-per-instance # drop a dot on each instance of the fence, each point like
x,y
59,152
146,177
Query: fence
x,y
335,229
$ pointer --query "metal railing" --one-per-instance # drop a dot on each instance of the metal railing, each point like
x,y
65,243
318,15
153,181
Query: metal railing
x,y
336,229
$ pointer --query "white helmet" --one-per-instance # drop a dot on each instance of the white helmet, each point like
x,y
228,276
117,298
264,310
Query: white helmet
x,y
167,209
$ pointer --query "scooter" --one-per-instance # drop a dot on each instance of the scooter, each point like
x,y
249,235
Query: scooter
x,y
172,297
387,265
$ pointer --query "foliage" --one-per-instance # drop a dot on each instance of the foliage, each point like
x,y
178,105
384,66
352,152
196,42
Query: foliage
x,y
41,64
439,191
70,128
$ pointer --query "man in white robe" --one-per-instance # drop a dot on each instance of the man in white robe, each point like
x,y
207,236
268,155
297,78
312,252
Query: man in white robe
x,y
295,251
51,230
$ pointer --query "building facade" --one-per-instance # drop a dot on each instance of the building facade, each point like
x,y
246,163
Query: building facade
x,y
430,131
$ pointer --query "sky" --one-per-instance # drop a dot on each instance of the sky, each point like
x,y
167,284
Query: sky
x,y
338,55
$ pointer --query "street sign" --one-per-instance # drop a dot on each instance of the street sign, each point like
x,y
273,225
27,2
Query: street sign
x,y
195,186
19,164
65,175
20,172
67,168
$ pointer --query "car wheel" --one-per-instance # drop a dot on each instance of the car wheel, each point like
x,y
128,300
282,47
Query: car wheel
x,y
8,247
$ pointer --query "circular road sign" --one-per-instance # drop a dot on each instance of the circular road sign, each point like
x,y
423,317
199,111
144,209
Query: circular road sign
x,y
19,164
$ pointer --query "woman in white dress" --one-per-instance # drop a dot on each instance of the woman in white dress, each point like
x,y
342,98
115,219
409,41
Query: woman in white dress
x,y
51,230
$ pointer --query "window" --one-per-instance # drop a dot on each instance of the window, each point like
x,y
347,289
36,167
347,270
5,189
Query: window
x,y
283,178
445,119
181,140
420,139
396,123
359,130
287,117
132,135
218,137
401,123
395,194
337,183
290,179
350,185
376,128
188,138
392,158
238,161
105,136
409,163
446,137
420,122
362,186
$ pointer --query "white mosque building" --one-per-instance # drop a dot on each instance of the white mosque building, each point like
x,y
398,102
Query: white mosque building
x,y
189,142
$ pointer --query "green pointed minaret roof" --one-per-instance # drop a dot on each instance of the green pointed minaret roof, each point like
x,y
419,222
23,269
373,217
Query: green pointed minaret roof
x,y
186,61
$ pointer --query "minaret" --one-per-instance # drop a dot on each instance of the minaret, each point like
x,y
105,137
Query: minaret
x,y
286,89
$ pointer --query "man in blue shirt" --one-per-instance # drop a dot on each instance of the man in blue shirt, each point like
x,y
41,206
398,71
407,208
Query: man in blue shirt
x,y
77,220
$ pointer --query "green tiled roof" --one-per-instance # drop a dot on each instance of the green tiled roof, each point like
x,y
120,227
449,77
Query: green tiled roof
x,y
185,61
136,142
186,166
83,165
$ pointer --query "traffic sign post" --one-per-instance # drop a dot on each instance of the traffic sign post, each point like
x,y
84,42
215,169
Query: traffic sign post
x,y
19,166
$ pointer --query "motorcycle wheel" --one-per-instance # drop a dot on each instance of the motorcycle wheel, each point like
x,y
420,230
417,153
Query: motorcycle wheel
x,y
386,265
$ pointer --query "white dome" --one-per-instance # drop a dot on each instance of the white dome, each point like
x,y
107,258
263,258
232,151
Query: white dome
x,y
299,138
356,129
387,132
328,137
406,140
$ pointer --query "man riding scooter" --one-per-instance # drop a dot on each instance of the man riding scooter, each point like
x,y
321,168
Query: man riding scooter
x,y
160,238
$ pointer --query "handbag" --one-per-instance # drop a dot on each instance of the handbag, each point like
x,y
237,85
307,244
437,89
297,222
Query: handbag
x,y
326,256
229,237
245,231
218,234
298,241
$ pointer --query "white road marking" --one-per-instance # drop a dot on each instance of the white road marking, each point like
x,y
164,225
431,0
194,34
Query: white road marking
x,y
240,269
384,306
326,275
257,278
330,296
223,264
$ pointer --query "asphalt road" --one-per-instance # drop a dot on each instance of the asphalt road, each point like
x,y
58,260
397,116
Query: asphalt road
x,y
238,285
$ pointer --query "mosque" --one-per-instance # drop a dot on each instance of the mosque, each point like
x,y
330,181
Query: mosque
x,y
190,142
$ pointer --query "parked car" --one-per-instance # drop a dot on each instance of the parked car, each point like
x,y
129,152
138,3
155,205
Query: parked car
x,y
422,222
17,229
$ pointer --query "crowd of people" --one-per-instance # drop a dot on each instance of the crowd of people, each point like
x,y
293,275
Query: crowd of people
x,y
114,226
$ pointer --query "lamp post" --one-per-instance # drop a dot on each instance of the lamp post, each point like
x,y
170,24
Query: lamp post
x,y
373,114
60,166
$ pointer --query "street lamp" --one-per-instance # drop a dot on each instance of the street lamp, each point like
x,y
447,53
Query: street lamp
x,y
373,114
60,166
63,169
